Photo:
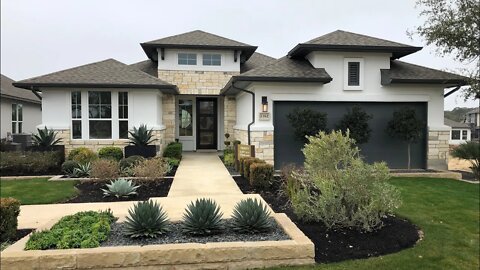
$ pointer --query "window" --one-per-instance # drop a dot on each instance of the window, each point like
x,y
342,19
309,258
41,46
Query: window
x,y
185,108
17,118
76,115
123,115
100,114
455,134
212,59
464,135
353,73
187,59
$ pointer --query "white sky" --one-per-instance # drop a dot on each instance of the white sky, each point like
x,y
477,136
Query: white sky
x,y
39,37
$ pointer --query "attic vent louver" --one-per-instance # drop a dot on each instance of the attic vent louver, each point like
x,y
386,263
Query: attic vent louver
x,y
353,73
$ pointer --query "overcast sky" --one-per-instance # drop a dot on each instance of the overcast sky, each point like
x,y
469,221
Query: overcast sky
x,y
39,37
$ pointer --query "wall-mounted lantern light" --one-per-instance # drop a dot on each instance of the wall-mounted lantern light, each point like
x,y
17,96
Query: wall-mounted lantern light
x,y
264,104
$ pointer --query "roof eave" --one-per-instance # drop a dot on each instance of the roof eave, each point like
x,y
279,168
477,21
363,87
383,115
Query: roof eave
x,y
453,82
20,98
37,86
303,49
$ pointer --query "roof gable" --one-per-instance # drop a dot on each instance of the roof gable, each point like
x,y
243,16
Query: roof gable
x,y
7,90
257,60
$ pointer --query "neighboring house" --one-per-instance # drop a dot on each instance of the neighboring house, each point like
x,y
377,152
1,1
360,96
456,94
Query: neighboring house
x,y
196,86
472,118
459,132
21,110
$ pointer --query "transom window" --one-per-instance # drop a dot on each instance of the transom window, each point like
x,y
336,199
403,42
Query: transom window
x,y
187,59
123,115
212,59
76,115
100,114
17,118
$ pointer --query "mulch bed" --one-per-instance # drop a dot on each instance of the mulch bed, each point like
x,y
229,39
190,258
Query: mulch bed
x,y
466,175
20,234
339,245
90,191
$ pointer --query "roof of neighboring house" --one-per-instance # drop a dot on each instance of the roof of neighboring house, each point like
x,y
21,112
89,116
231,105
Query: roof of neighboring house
x,y
108,73
402,72
454,124
475,110
352,42
282,70
7,90
255,61
197,40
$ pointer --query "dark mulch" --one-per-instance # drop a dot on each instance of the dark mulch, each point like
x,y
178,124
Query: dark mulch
x,y
90,191
339,245
20,234
466,175
175,235
413,171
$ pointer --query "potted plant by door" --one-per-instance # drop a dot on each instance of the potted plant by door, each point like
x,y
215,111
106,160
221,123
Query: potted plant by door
x,y
140,140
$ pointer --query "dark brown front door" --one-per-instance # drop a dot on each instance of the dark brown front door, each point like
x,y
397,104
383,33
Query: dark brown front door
x,y
206,123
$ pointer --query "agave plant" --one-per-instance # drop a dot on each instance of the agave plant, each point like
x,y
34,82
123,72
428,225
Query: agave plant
x,y
83,170
120,188
202,217
251,216
45,137
141,136
146,219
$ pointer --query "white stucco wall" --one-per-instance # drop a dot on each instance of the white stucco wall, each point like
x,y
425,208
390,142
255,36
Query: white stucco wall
x,y
244,110
32,116
171,60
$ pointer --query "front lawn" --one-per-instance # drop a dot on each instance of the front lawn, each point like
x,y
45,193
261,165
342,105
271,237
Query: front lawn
x,y
447,211
38,190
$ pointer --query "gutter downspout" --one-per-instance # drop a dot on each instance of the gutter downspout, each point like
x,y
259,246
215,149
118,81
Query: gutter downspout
x,y
36,94
253,109
452,91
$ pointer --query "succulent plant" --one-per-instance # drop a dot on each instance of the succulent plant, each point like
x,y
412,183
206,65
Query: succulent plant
x,y
83,170
202,217
146,219
45,137
120,188
141,136
251,216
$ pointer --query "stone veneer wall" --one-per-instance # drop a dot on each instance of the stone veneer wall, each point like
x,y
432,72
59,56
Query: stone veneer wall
x,y
262,140
197,82
168,112
438,149
229,116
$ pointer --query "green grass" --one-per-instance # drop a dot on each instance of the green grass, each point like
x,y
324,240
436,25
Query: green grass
x,y
447,211
37,190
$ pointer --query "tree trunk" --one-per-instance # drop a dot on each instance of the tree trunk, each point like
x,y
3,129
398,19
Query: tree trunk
x,y
408,155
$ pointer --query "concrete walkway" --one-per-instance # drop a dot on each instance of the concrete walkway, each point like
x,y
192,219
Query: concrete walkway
x,y
202,174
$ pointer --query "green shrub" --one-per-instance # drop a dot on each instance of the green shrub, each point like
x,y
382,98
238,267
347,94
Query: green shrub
x,y
356,121
82,155
469,151
105,169
251,216
339,189
30,163
172,161
261,175
151,169
202,217
306,122
130,162
9,210
228,150
246,165
111,152
81,230
146,219
68,166
289,183
229,159
173,150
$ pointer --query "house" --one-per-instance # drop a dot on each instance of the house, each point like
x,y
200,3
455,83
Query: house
x,y
472,118
459,132
195,87
21,110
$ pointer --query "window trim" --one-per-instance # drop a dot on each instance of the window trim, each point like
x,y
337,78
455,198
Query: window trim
x,y
79,119
111,119
188,59
459,135
361,77
18,123
211,60
121,118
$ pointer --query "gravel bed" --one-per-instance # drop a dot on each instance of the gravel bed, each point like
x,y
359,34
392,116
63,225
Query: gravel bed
x,y
176,236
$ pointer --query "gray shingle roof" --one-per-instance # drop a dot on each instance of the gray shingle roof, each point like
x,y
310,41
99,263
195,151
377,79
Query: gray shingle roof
x,y
257,60
109,73
402,72
197,39
454,124
347,41
7,90
148,66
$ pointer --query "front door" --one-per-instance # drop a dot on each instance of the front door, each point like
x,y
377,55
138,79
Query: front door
x,y
206,123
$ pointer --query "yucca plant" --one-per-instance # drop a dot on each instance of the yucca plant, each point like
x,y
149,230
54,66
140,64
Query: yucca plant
x,y
120,188
202,217
251,216
141,136
83,170
45,138
146,219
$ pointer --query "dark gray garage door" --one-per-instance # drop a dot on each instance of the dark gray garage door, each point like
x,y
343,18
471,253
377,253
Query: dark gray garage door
x,y
381,147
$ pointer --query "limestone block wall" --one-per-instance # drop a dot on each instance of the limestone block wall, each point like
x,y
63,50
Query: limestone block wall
x,y
230,116
197,82
262,140
438,149
168,114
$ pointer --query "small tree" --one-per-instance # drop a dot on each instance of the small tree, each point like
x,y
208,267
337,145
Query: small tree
x,y
469,151
406,127
356,120
306,122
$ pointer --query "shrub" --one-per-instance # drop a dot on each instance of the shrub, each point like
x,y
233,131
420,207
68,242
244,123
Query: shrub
x,y
229,159
306,122
339,189
83,170
141,136
356,121
173,150
469,151
151,169
146,219
202,217
104,169
9,210
172,161
81,230
289,182
45,138
131,161
251,216
68,166
30,163
82,155
246,165
120,188
111,152
261,175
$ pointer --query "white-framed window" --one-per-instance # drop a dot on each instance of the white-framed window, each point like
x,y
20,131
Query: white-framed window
x,y
455,134
100,114
187,59
212,59
185,117
17,118
353,74
76,115
464,135
123,115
